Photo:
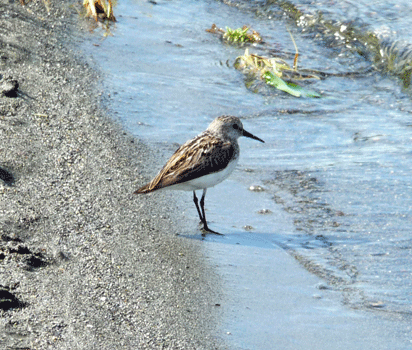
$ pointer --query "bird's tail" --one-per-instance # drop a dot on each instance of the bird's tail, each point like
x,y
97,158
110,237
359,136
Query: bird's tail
x,y
144,189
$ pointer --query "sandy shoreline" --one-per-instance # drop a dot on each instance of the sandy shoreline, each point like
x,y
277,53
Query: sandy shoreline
x,y
88,265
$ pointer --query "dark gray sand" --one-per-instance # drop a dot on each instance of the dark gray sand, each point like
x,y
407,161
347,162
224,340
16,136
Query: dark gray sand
x,y
84,263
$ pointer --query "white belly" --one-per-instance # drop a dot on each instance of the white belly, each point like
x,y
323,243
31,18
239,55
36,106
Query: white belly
x,y
206,181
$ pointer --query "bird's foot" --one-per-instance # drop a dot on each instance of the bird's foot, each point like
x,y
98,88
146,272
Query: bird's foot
x,y
205,230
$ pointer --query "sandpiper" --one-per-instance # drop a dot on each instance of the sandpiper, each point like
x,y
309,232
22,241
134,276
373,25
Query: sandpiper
x,y
202,162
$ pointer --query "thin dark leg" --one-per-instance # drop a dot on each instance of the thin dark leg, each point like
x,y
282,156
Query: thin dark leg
x,y
202,206
197,207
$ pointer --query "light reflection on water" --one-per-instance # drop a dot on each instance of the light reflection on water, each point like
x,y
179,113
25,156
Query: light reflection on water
x,y
338,167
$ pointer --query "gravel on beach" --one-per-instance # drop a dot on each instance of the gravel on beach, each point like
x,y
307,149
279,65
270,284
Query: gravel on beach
x,y
84,263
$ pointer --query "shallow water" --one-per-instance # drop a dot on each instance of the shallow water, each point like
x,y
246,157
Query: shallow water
x,y
336,171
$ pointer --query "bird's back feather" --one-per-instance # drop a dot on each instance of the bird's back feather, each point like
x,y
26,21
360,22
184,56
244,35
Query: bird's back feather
x,y
200,156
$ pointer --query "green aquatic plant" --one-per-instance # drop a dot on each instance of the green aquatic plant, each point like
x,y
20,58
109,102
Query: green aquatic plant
x,y
241,35
289,87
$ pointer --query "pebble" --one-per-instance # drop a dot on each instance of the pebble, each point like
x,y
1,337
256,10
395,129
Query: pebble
x,y
256,188
264,211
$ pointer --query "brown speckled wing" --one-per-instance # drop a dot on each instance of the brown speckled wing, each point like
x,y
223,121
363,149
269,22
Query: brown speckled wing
x,y
197,157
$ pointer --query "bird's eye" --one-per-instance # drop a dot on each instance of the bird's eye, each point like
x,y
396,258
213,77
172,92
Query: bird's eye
x,y
235,126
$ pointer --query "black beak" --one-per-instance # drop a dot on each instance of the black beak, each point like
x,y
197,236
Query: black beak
x,y
248,134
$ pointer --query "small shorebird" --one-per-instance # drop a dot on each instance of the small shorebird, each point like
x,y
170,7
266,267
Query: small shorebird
x,y
202,162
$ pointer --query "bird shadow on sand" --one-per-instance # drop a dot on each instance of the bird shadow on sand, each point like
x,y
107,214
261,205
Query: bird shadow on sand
x,y
239,237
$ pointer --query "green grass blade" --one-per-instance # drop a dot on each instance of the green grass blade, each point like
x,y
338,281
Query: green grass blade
x,y
291,88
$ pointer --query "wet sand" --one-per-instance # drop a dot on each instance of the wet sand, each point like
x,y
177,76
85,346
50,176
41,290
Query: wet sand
x,y
84,263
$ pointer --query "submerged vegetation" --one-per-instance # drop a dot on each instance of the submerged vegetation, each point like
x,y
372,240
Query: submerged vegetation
x,y
387,56
396,58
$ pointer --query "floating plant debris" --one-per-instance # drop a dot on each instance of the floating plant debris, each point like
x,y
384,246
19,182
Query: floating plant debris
x,y
273,71
102,9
